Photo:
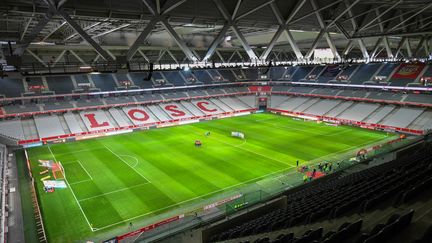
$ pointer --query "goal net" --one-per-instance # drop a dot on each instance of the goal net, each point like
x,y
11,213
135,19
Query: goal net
x,y
58,171
238,135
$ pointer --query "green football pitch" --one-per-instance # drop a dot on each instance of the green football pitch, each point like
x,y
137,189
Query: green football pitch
x,y
127,178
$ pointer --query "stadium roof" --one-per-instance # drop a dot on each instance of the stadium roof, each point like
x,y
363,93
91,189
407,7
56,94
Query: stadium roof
x,y
214,29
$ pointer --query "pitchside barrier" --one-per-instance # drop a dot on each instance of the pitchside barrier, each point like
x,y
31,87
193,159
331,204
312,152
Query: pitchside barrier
x,y
270,187
4,159
371,126
38,216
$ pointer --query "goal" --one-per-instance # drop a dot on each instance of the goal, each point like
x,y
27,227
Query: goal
x,y
58,171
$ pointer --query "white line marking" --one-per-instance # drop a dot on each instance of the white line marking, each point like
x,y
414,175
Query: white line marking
x,y
347,149
191,199
112,192
78,182
250,151
133,157
78,151
73,194
327,134
210,193
79,162
188,200
127,163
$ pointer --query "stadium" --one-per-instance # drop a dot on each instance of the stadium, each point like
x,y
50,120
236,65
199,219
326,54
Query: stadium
x,y
216,121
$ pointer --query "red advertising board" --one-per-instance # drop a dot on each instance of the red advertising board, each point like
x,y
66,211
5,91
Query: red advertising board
x,y
149,227
409,71
260,88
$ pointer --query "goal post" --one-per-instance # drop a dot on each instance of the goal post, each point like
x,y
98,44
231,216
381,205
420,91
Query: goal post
x,y
58,171
238,135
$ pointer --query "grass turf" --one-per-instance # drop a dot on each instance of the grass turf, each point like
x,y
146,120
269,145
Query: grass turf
x,y
116,180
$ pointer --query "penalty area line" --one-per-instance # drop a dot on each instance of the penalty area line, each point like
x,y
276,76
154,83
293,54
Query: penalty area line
x,y
132,157
73,194
253,152
78,182
191,199
127,164
79,162
115,191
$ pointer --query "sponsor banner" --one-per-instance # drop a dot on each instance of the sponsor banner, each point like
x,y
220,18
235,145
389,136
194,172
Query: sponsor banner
x,y
149,227
167,124
223,201
54,184
260,88
367,127
31,145
56,141
119,132
242,114
89,136
188,121
308,117
409,71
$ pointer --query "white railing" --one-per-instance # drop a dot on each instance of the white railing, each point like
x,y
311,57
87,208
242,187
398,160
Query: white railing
x,y
3,162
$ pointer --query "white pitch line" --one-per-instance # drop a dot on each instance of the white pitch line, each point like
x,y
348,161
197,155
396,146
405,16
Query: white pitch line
x,y
85,169
78,182
73,194
347,149
79,151
127,164
112,192
133,157
304,130
191,199
250,151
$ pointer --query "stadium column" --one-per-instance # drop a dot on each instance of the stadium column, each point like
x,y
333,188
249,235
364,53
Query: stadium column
x,y
189,54
78,57
399,48
58,58
284,28
384,39
34,33
420,46
217,40
360,41
37,58
419,11
85,36
324,32
231,23
159,16
314,44
141,38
